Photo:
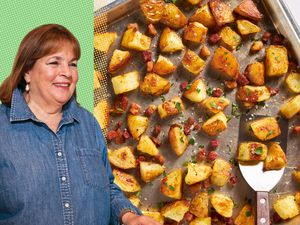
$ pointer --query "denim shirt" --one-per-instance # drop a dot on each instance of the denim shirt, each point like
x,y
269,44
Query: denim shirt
x,y
61,178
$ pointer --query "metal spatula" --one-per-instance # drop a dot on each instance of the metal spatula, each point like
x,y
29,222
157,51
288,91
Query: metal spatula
x,y
261,181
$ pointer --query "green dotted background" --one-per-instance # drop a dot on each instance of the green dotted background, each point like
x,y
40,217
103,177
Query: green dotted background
x,y
18,17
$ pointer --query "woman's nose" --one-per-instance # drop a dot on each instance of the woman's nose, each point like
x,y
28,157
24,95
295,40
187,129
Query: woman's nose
x,y
65,70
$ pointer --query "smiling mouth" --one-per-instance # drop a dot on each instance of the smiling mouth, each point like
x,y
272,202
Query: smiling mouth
x,y
62,85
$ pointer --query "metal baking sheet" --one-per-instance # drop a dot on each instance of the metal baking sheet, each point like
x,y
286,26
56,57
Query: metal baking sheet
x,y
120,14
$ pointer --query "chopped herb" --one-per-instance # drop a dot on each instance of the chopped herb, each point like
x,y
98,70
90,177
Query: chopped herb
x,y
151,184
193,159
170,1
191,141
188,87
247,91
259,59
258,150
163,99
185,163
228,118
213,105
138,194
209,91
201,146
270,132
178,107
225,53
261,104
239,46
274,190
206,117
198,90
234,109
164,174
211,190
248,213
229,148
250,128
171,188
160,205
278,118
181,139
233,161
119,109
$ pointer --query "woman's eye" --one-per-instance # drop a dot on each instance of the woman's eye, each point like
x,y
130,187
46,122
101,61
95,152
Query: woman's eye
x,y
53,63
73,64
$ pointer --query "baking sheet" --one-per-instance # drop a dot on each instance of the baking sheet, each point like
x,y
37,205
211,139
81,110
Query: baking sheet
x,y
120,14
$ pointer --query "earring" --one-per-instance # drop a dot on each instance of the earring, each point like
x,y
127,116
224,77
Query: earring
x,y
27,88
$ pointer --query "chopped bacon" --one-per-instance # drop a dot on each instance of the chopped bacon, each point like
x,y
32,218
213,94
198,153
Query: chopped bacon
x,y
214,38
197,127
188,216
201,155
160,159
147,56
135,108
214,144
212,155
111,135
217,92
277,39
151,30
120,104
150,110
150,65
156,141
140,159
119,124
206,183
273,91
156,130
266,36
230,84
188,125
233,180
120,138
242,80
183,85
228,221
293,64
126,134
296,129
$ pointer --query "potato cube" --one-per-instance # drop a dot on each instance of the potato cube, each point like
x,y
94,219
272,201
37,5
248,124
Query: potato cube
x,y
266,128
255,72
126,182
175,210
256,46
276,158
201,221
101,113
171,185
118,60
137,125
122,158
154,215
173,17
195,32
246,216
192,62
149,171
293,82
229,38
252,151
135,40
178,140
221,12
291,107
253,94
222,204
204,52
225,63
199,205
220,172
248,9
154,85
296,176
152,9
134,200
276,61
170,107
196,91
146,145
170,41
297,197
287,207
203,15
213,105
194,2
196,173
102,42
216,124
245,27
126,82
163,66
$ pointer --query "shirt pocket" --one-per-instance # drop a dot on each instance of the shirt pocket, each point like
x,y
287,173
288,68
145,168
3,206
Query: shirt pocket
x,y
92,166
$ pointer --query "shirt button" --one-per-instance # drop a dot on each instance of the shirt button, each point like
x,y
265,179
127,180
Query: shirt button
x,y
63,178
59,154
67,205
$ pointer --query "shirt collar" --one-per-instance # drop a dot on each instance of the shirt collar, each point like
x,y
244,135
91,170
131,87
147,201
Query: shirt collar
x,y
21,112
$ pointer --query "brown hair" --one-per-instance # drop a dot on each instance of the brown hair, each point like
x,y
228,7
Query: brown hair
x,y
41,41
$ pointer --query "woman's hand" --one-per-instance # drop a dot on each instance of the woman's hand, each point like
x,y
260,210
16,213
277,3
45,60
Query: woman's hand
x,y
130,218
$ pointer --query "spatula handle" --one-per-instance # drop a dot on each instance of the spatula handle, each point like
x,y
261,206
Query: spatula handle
x,y
262,209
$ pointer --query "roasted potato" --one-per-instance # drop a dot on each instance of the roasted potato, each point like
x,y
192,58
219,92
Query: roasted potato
x,y
122,158
255,72
134,200
286,207
154,85
154,215
146,145
195,32
276,158
222,204
171,185
229,38
149,171
170,41
276,62
291,107
248,9
221,12
203,15
296,176
292,81
173,17
137,125
163,66
297,197
99,75
96,80
170,107
175,210
213,105
199,205
126,82
201,221
204,52
135,40
265,129
118,60
194,2
152,9
192,62
253,94
246,216
102,42
126,182
256,46
195,91
220,172
245,27
225,63
215,124
196,173
178,140
252,151
101,113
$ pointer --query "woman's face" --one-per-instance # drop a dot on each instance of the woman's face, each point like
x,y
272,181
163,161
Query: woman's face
x,y
53,78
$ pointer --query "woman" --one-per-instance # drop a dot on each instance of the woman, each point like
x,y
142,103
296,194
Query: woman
x,y
53,161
